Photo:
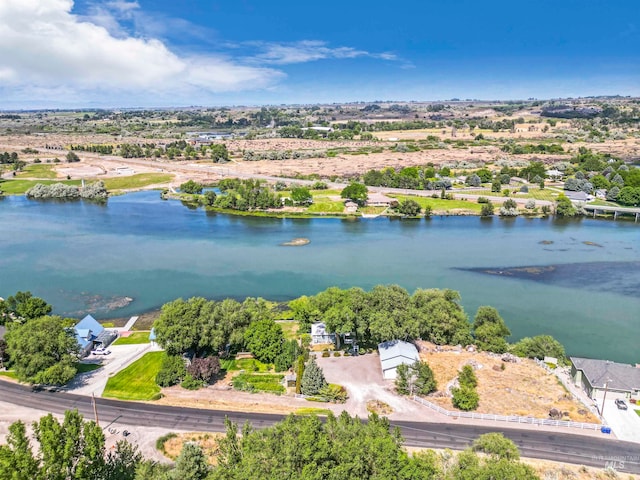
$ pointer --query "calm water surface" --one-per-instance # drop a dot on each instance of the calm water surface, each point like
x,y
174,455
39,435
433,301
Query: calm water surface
x,y
86,258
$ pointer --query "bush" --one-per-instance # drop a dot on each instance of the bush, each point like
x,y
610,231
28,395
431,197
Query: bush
x,y
497,445
171,372
164,439
467,377
487,210
483,200
325,354
334,393
336,354
191,383
465,398
204,369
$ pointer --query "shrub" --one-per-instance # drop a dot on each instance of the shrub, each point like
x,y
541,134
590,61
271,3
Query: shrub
x,y
465,398
191,383
164,439
497,445
334,393
336,354
487,210
483,200
172,371
325,354
204,369
467,377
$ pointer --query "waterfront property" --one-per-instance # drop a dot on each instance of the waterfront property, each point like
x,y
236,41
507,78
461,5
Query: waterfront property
x,y
90,334
599,376
395,353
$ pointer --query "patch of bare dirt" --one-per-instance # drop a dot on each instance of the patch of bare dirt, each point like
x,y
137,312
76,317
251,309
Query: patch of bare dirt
x,y
522,388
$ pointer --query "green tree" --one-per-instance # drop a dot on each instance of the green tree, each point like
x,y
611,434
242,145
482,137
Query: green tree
x,y
191,464
465,398
191,187
467,377
16,458
72,157
487,209
210,198
403,379
313,380
496,186
539,347
496,444
219,153
172,371
425,381
43,351
301,195
264,338
409,208
490,331
355,191
24,305
564,207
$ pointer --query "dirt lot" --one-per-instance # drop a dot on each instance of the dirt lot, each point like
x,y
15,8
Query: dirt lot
x,y
523,388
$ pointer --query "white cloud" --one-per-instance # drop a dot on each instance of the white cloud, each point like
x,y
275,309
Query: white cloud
x,y
308,51
46,47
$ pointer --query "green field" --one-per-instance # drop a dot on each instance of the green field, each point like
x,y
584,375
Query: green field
x,y
138,380
37,170
19,187
256,382
136,181
133,339
439,205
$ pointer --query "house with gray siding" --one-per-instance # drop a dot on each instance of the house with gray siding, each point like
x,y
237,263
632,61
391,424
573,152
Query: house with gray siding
x,y
596,376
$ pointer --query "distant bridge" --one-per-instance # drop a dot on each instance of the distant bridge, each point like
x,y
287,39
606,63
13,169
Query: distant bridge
x,y
616,210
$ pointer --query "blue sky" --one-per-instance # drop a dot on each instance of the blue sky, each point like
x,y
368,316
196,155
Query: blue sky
x,y
61,53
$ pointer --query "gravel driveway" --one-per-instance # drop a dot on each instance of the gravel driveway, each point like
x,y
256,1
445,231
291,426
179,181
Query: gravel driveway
x,y
362,377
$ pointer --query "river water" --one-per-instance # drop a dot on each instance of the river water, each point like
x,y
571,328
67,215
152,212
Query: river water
x,y
139,252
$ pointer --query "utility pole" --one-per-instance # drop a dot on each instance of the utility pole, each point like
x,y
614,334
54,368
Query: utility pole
x,y
606,385
95,408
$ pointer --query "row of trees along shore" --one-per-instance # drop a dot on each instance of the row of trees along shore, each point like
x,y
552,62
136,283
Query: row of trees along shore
x,y
42,348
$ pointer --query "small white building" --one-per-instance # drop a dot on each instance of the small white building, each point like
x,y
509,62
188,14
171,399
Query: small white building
x,y
394,353
319,334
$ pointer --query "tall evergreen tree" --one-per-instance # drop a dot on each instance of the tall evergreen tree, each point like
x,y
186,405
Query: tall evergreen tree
x,y
313,378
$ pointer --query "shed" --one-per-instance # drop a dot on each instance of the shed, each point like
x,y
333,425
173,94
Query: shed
x,y
394,353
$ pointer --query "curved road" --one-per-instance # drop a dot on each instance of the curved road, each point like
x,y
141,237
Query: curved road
x,y
562,447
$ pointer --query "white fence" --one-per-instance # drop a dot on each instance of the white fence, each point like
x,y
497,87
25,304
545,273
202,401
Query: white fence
x,y
506,418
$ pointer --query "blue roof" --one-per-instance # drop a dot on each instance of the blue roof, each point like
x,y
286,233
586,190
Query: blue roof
x,y
89,323
87,330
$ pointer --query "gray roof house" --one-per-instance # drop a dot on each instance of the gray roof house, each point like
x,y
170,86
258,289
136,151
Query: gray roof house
x,y
594,376
394,353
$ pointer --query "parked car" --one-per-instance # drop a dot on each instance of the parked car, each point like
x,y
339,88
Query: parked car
x,y
620,404
101,351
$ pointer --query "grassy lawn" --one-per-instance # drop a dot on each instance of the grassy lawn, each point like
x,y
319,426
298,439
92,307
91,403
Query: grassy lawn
x,y
136,181
439,205
9,374
324,205
133,339
19,187
37,170
257,382
313,411
637,412
138,380
247,364
289,328
88,367
372,210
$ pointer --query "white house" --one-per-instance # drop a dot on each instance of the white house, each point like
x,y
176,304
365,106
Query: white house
x,y
394,353
320,335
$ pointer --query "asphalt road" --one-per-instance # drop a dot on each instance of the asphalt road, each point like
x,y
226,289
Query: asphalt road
x,y
563,447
